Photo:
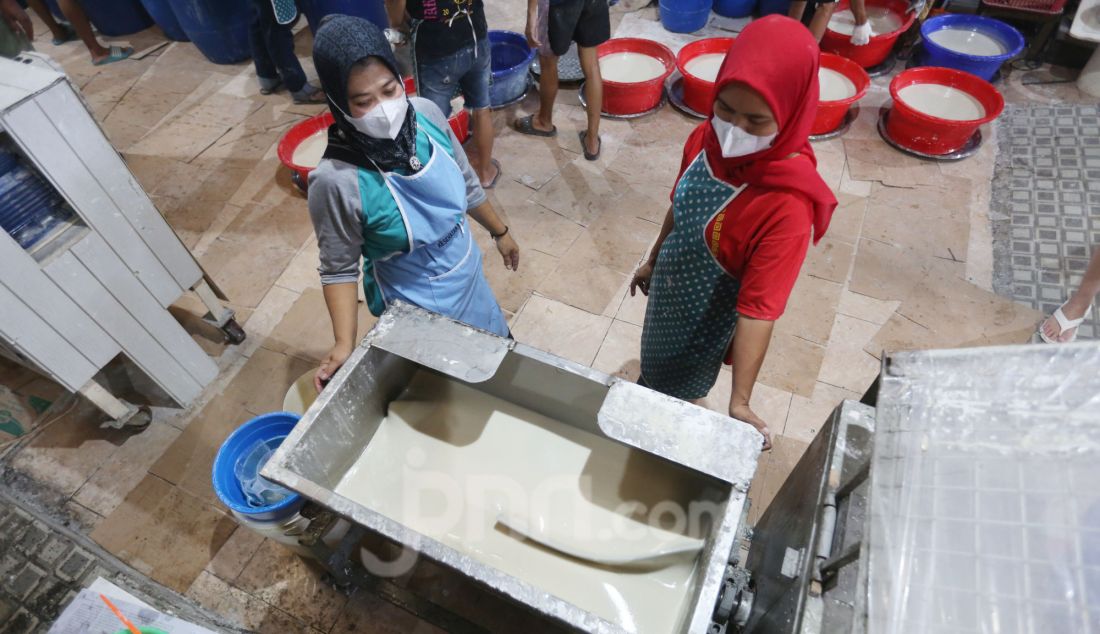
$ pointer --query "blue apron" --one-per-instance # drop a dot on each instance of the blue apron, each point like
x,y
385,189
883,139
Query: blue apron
x,y
692,309
442,270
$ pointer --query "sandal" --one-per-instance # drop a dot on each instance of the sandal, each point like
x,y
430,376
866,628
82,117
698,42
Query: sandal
x,y
583,134
269,86
493,183
526,125
117,54
309,95
69,36
1063,325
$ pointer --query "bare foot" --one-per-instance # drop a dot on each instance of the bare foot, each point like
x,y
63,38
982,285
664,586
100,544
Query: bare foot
x,y
489,176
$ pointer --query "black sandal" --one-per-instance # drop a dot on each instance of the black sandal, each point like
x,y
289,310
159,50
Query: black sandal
x,y
526,125
584,146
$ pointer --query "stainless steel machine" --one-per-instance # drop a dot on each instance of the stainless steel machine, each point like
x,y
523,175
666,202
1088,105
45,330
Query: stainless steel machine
x,y
871,510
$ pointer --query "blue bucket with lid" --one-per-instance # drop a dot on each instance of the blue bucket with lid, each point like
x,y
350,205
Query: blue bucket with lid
x,y
685,16
984,66
272,429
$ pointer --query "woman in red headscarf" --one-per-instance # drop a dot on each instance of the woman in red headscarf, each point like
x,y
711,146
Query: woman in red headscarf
x,y
746,205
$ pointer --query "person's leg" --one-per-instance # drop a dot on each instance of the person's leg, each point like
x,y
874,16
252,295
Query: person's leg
x,y
593,96
266,71
548,93
435,80
593,28
475,89
60,33
74,13
822,13
1079,302
280,47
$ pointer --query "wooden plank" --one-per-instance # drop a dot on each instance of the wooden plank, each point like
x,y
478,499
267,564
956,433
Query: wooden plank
x,y
28,335
135,341
98,258
22,275
43,143
86,138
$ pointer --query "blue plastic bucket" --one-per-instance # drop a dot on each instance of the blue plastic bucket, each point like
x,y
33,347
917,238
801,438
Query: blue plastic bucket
x,y
372,10
734,8
166,19
219,28
117,17
511,60
226,486
981,65
768,7
685,16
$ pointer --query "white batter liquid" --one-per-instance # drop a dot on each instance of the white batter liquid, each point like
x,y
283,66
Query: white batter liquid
x,y
706,66
629,68
942,101
834,86
882,21
309,151
499,459
968,42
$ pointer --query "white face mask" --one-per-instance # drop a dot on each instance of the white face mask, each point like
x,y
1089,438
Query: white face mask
x,y
735,141
383,121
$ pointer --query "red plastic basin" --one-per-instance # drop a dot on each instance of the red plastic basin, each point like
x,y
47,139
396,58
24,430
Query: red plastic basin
x,y
878,49
698,92
460,125
830,114
632,98
924,133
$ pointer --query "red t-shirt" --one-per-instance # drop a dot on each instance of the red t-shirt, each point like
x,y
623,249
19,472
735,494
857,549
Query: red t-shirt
x,y
761,238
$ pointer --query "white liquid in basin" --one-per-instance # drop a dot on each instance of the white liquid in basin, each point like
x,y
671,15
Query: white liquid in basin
x,y
834,86
882,21
968,42
706,66
311,149
448,460
942,101
629,68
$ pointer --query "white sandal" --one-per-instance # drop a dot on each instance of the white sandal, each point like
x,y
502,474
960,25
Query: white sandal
x,y
1063,325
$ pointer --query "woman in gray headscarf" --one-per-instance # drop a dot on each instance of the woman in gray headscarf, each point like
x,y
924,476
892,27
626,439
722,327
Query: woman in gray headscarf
x,y
393,191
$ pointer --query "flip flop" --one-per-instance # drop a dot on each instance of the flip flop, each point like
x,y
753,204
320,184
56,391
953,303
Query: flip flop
x,y
493,183
70,35
526,126
584,146
269,86
1063,325
117,54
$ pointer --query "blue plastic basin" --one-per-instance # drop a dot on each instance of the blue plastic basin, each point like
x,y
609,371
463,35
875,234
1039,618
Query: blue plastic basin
x,y
983,66
166,19
511,60
734,8
372,10
685,16
226,486
219,28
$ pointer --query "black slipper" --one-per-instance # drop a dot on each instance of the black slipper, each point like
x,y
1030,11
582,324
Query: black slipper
x,y
584,146
526,125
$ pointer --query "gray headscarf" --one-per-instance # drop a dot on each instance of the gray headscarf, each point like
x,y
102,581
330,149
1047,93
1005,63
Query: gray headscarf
x,y
340,43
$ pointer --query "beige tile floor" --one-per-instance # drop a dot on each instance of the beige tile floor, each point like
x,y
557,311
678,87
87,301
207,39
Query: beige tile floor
x,y
907,263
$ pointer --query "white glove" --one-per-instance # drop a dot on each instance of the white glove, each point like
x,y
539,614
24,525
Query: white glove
x,y
861,35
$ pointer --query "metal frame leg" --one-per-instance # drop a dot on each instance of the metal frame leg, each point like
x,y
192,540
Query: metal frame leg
x,y
121,413
217,312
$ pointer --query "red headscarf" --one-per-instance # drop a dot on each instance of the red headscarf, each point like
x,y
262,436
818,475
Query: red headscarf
x,y
778,58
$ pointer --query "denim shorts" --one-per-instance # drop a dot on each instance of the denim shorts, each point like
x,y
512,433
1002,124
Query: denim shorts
x,y
440,79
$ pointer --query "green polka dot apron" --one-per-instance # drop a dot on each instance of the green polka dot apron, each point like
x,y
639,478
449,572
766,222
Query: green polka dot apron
x,y
285,11
692,308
